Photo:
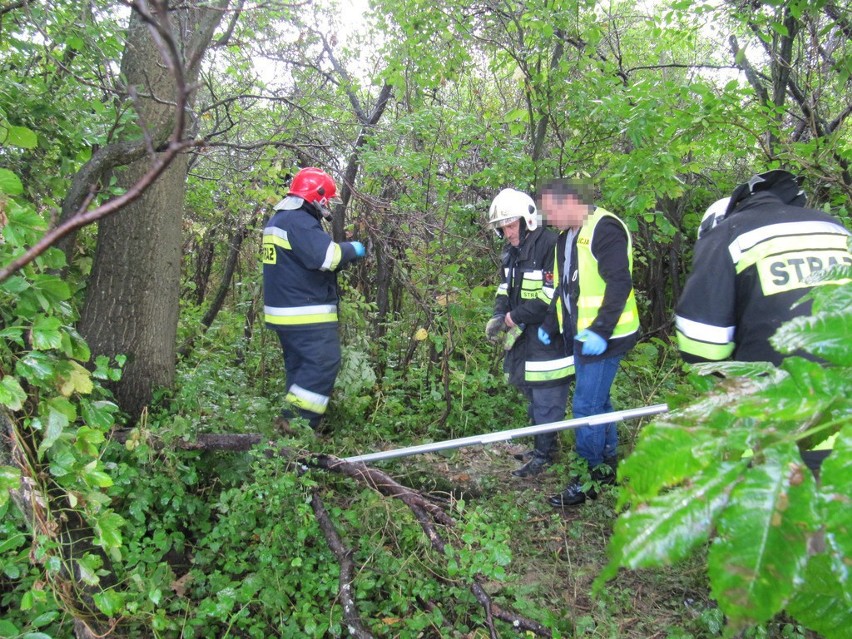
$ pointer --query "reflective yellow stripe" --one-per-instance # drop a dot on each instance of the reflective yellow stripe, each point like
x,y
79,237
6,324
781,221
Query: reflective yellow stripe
x,y
826,444
278,237
704,350
304,399
333,255
299,315
549,370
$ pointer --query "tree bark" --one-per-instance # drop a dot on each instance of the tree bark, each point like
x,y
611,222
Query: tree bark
x,y
133,295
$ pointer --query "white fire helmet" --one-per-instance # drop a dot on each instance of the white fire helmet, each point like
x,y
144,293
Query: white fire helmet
x,y
715,213
510,205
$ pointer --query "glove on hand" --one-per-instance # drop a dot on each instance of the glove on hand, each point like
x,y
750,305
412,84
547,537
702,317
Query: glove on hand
x,y
512,336
543,337
360,251
494,326
593,344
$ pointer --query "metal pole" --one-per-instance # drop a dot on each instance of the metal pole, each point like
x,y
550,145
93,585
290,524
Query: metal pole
x,y
505,435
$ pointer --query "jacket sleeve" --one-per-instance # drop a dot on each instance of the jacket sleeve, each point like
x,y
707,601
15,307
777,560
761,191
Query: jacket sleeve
x,y
314,248
705,317
609,247
501,298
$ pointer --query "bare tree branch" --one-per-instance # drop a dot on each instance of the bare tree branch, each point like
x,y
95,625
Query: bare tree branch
x,y
347,569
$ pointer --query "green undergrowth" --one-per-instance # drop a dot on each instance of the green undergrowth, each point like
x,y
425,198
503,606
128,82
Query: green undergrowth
x,y
216,544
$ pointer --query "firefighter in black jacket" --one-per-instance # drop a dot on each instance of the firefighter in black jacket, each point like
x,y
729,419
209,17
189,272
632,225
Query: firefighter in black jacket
x,y
750,270
542,372
300,264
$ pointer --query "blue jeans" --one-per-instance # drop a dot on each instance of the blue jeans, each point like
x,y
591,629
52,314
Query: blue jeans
x,y
546,405
591,397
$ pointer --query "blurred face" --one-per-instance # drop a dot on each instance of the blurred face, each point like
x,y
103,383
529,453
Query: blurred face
x,y
563,212
512,232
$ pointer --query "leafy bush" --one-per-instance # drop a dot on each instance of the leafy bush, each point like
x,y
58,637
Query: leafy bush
x,y
778,538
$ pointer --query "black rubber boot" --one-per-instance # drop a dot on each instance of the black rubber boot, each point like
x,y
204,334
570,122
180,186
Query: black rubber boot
x,y
534,466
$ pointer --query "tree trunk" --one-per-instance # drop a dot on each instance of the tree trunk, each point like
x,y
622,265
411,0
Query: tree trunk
x,y
133,295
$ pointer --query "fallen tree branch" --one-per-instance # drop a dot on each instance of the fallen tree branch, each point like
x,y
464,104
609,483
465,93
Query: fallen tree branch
x,y
347,569
427,514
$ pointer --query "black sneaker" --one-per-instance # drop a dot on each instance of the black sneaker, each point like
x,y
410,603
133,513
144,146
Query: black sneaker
x,y
533,467
524,456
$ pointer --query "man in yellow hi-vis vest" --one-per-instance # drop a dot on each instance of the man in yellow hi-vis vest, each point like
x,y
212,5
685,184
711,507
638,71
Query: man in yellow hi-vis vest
x,y
594,310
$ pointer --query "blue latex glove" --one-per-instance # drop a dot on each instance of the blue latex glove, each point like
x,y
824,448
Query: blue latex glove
x,y
593,344
360,251
543,337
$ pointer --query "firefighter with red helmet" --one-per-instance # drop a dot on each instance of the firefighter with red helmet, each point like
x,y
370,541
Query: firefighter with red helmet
x,y
300,265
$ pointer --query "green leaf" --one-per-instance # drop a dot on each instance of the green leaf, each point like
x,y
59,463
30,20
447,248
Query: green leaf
x,y
95,477
10,183
21,137
100,414
60,414
678,446
825,335
46,333
109,602
821,603
810,389
10,479
51,287
670,526
836,503
8,629
35,367
11,394
762,544
108,527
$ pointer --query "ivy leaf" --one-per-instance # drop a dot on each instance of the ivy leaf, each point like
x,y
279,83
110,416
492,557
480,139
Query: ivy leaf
x,y
762,544
822,604
60,413
100,414
10,183
108,527
670,526
95,477
825,335
11,394
109,602
88,440
74,378
35,367
46,333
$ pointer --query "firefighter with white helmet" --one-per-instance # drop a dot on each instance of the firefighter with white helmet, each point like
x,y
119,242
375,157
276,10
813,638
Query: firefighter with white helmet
x,y
752,274
714,214
300,265
542,372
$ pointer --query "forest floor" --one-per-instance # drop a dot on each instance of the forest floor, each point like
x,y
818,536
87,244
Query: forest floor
x,y
558,553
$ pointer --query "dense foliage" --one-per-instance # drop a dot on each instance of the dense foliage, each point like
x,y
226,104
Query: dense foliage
x,y
423,114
